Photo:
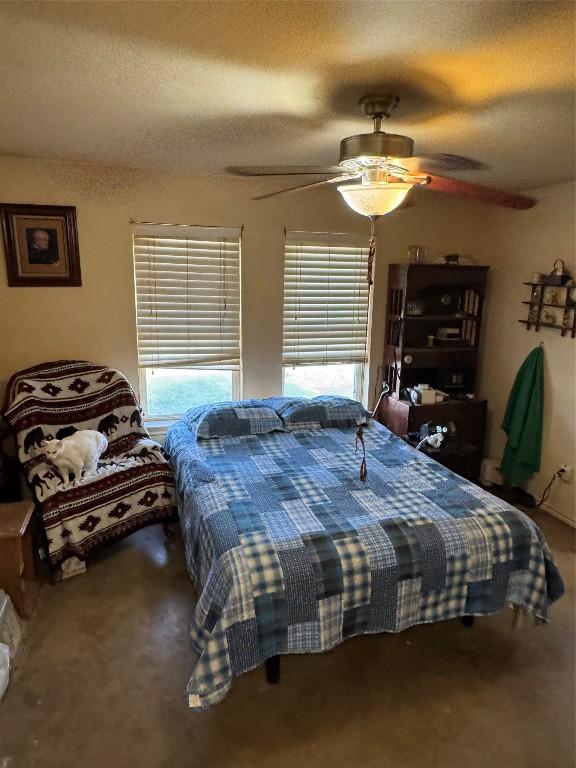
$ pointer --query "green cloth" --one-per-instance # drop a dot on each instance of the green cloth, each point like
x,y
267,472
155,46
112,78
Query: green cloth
x,y
523,421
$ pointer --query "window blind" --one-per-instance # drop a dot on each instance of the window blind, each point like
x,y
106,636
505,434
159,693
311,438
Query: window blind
x,y
326,299
187,296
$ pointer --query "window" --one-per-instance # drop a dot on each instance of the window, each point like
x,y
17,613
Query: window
x,y
188,316
326,300
312,380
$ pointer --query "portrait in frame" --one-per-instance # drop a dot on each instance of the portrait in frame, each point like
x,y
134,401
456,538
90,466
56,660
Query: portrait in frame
x,y
41,245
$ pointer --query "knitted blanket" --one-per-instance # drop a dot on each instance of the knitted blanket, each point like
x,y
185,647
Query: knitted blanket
x,y
133,485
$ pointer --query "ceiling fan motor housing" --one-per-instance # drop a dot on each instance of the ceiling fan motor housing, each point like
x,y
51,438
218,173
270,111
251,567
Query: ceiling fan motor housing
x,y
355,151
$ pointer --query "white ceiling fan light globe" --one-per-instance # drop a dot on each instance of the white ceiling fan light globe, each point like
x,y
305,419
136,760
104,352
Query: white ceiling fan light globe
x,y
376,199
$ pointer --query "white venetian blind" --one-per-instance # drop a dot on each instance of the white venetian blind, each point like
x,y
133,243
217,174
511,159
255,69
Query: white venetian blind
x,y
325,299
187,296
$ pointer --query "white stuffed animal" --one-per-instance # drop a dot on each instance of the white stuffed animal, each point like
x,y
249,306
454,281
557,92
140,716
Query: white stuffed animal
x,y
76,453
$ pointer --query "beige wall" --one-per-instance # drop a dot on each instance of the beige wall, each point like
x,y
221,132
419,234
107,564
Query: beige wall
x,y
97,321
515,244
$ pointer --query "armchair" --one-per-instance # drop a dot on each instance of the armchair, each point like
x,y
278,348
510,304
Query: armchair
x,y
133,485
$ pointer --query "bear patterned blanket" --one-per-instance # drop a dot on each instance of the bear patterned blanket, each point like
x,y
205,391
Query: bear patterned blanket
x,y
133,485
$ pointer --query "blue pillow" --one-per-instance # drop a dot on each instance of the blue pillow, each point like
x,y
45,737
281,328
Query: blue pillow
x,y
232,419
320,411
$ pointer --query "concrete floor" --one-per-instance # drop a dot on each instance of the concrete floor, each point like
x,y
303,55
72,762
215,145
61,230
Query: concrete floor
x,y
108,657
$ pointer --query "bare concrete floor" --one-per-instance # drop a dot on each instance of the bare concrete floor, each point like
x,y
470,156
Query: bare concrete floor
x,y
108,658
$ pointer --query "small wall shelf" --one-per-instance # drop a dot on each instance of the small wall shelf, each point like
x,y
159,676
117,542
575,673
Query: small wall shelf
x,y
551,306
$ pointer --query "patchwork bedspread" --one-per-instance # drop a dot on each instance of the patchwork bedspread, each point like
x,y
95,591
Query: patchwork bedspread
x,y
291,553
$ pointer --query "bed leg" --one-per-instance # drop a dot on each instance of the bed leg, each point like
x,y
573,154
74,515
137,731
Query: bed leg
x,y
273,670
468,621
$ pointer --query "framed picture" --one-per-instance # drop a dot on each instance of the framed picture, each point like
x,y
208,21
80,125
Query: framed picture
x,y
41,245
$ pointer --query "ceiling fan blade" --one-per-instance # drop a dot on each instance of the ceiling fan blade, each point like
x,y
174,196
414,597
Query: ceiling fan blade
x,y
486,194
441,161
345,177
284,170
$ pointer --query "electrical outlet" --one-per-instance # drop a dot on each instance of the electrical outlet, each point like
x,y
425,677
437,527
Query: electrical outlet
x,y
565,473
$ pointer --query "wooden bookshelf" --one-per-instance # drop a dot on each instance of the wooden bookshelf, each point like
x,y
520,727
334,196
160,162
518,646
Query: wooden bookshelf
x,y
449,296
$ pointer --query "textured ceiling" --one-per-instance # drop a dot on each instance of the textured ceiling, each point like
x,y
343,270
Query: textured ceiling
x,y
198,86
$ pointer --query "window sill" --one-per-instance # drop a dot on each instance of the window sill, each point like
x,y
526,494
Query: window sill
x,y
157,428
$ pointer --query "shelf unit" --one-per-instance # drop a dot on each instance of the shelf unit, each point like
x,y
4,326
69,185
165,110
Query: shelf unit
x,y
450,296
440,318
408,360
539,314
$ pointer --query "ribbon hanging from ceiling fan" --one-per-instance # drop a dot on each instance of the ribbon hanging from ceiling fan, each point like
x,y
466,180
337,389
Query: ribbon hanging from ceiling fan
x,y
371,250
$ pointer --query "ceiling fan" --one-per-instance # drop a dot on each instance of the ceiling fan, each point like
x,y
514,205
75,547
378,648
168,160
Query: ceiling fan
x,y
375,169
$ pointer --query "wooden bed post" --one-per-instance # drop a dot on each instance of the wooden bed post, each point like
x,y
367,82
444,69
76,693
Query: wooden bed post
x,y
273,670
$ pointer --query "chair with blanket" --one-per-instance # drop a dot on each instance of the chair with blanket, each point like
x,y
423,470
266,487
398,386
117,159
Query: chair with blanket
x,y
133,485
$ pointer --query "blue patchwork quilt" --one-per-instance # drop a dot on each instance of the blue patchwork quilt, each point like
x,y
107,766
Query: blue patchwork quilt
x,y
292,553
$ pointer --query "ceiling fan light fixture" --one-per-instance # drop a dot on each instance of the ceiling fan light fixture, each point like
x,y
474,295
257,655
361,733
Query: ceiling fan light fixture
x,y
376,199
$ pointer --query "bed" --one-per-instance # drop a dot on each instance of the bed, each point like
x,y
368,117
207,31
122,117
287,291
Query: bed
x,y
291,552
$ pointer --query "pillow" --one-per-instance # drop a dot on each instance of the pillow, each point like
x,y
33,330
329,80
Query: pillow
x,y
231,419
316,412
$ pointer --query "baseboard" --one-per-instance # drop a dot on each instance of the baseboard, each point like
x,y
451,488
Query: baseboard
x,y
559,515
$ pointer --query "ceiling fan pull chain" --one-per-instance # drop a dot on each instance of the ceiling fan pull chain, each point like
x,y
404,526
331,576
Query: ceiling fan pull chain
x,y
371,249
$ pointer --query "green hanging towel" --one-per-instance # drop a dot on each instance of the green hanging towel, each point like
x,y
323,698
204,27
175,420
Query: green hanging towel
x,y
523,421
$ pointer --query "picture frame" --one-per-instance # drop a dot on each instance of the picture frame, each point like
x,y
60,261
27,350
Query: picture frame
x,y
41,245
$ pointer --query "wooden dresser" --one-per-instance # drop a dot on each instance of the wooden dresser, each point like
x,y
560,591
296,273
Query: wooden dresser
x,y
469,418
17,573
